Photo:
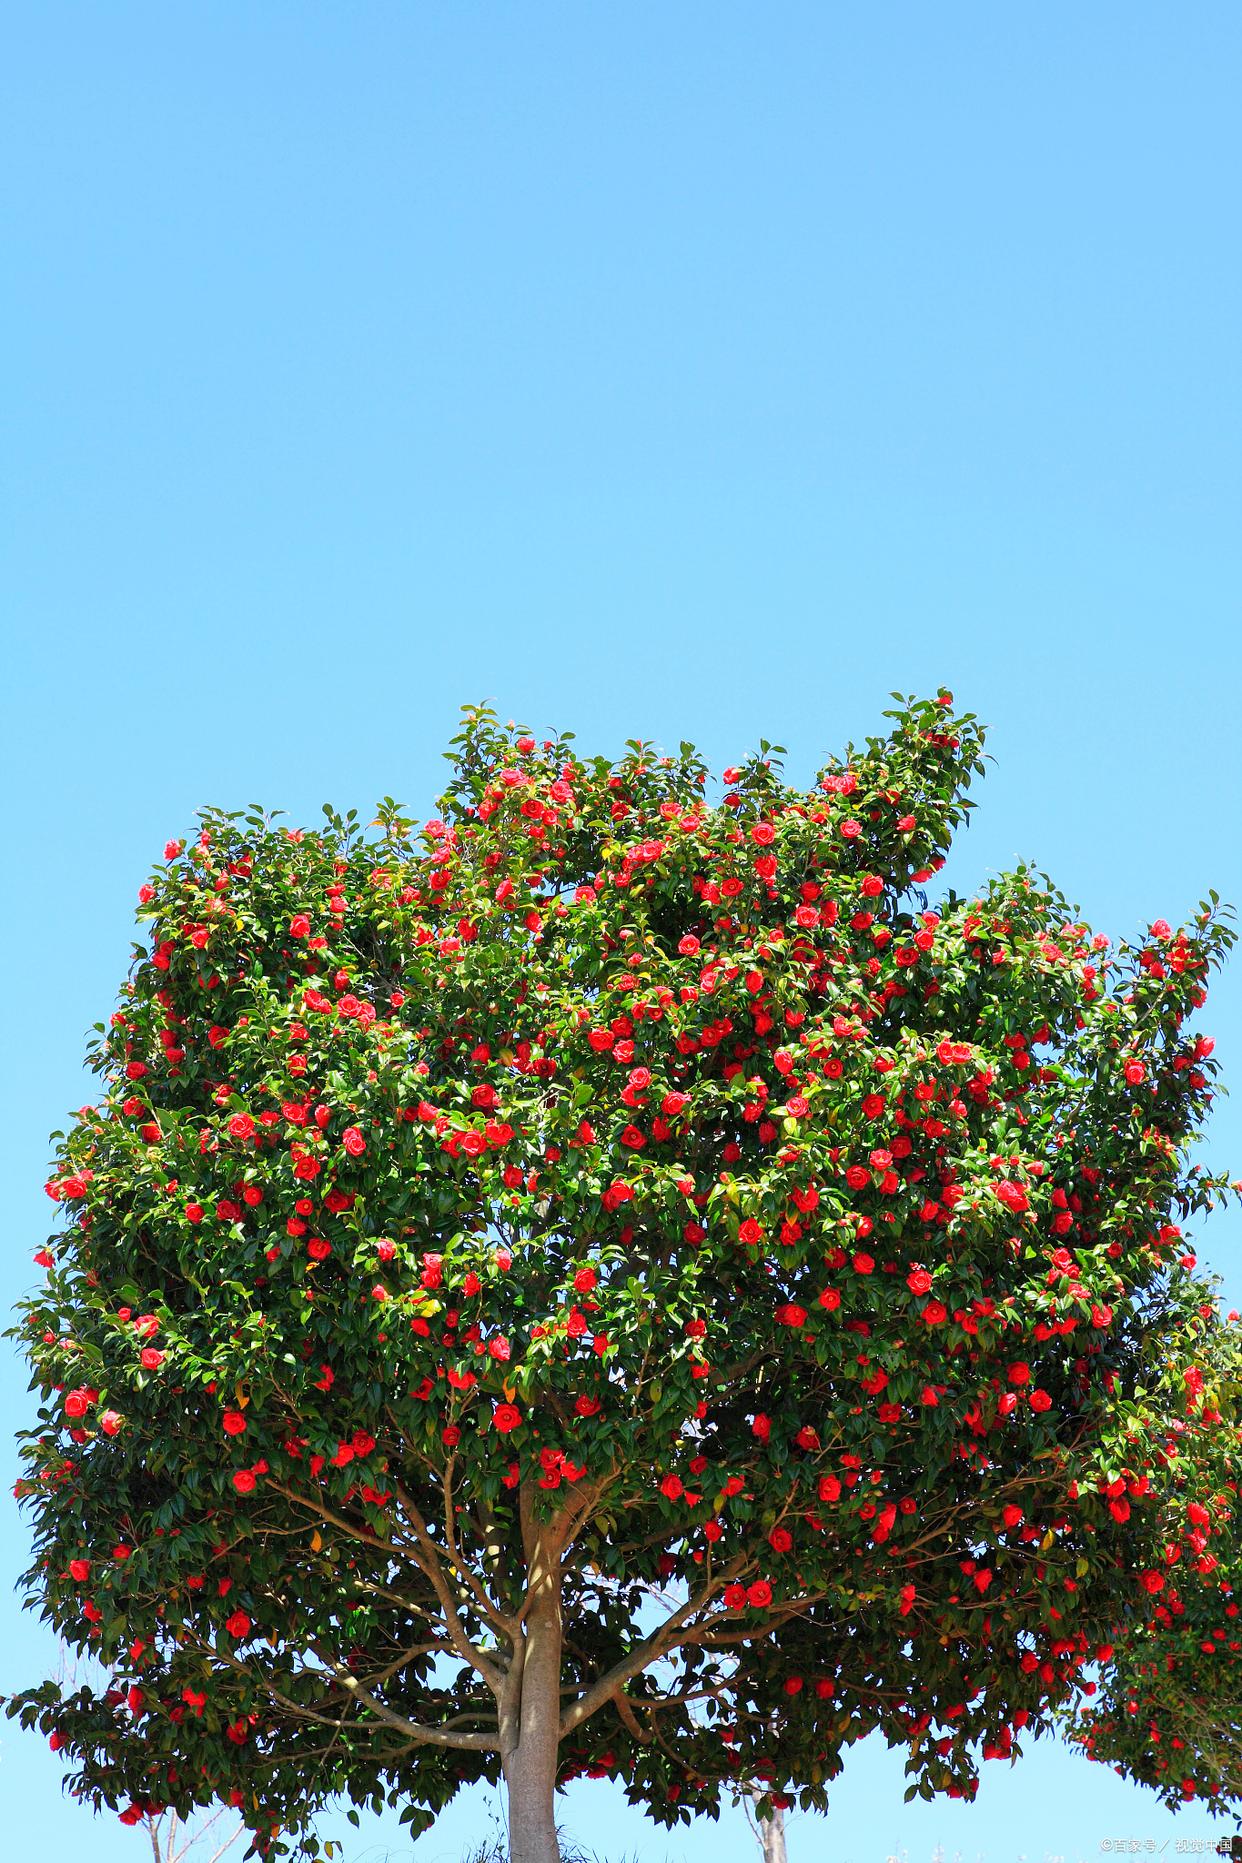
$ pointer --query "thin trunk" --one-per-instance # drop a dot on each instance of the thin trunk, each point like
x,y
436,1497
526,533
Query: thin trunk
x,y
772,1836
530,1746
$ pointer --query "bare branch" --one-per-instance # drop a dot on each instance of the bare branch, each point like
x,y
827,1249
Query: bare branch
x,y
662,1639
441,1736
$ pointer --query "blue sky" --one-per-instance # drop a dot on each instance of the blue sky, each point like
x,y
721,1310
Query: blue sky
x,y
664,371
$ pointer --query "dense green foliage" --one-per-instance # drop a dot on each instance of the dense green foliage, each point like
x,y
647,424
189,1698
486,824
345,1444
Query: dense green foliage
x,y
666,1181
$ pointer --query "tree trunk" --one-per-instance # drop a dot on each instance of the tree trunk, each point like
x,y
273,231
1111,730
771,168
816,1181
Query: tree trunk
x,y
532,1820
772,1837
531,1736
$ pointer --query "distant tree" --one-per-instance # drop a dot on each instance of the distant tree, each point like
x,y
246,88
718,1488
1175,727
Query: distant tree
x,y
614,1282
204,1840
769,1829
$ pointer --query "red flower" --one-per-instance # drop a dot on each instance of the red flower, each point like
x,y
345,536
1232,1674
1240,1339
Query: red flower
x,y
1012,1196
759,1594
353,1141
506,1417
918,1280
244,1481
234,1422
1040,1400
299,926
238,1625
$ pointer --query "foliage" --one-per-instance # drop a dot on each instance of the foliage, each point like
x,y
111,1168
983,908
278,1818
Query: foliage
x,y
662,1180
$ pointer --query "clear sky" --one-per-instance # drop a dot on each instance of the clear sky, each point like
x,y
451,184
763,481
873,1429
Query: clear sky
x,y
663,370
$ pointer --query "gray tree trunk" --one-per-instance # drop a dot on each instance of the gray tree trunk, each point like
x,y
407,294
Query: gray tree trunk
x,y
530,1738
772,1837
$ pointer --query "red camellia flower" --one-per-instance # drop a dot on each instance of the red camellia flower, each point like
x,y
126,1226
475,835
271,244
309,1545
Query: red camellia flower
x,y
1012,1196
238,1625
353,1141
759,1594
918,1280
244,1481
234,1422
506,1417
299,926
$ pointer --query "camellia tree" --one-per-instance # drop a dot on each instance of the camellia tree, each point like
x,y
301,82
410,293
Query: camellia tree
x,y
616,1283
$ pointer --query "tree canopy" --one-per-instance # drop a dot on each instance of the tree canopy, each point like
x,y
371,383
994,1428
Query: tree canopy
x,y
614,1280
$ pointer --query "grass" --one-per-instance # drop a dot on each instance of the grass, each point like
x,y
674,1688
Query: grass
x,y
496,1850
